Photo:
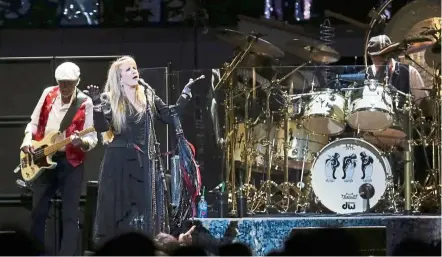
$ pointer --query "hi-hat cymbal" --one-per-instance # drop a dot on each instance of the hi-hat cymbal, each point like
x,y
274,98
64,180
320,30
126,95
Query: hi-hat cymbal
x,y
310,50
241,40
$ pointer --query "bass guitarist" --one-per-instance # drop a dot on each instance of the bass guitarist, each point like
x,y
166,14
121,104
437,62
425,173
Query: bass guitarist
x,y
66,109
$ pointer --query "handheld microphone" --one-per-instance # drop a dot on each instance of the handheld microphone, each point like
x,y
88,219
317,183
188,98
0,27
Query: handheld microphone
x,y
200,77
189,84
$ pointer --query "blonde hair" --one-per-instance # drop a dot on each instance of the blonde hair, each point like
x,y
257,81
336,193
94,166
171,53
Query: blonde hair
x,y
117,97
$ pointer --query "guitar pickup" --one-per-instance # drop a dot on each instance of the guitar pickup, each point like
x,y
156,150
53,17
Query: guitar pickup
x,y
24,162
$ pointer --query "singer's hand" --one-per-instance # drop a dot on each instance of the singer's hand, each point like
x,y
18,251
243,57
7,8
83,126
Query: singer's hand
x,y
94,93
187,88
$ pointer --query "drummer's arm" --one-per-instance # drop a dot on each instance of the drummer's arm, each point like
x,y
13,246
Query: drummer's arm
x,y
416,85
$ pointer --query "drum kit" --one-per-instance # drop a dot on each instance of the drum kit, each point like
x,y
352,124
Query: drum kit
x,y
338,140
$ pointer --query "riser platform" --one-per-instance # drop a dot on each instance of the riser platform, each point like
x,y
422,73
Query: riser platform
x,y
267,233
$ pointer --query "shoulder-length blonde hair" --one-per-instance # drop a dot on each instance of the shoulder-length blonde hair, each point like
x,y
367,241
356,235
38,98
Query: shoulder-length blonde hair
x,y
117,97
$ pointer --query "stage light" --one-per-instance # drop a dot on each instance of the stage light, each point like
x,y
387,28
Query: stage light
x,y
80,12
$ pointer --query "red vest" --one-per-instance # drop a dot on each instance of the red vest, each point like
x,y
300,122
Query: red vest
x,y
75,156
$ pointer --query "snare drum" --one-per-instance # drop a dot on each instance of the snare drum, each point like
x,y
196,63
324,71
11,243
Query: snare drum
x,y
324,113
374,110
343,169
302,145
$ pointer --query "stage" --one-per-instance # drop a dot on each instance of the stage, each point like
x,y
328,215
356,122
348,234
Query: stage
x,y
265,234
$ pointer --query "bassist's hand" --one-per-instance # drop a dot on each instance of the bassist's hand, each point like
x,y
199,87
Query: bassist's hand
x,y
28,149
76,139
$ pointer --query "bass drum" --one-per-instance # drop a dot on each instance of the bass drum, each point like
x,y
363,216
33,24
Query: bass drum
x,y
346,167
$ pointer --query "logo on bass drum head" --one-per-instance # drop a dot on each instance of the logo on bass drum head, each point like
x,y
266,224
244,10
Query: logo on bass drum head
x,y
349,206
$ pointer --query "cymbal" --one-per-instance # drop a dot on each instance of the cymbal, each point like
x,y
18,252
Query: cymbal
x,y
310,50
408,46
241,40
409,22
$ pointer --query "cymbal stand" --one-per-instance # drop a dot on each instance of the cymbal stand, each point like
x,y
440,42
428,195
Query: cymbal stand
x,y
236,61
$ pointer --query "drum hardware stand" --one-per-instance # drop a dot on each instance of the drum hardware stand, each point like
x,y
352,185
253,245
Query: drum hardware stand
x,y
290,194
303,201
265,193
390,199
431,188
229,146
246,189
410,204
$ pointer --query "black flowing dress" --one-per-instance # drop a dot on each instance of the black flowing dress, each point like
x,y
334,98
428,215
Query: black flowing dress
x,y
131,192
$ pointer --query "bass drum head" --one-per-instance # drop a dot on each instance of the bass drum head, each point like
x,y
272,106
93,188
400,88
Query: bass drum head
x,y
342,169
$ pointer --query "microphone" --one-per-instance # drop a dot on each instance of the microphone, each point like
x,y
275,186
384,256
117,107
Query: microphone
x,y
181,98
366,191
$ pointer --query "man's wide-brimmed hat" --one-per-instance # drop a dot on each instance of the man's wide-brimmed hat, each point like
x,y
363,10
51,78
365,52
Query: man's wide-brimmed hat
x,y
377,44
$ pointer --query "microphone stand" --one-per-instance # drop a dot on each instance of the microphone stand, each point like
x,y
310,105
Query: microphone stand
x,y
158,161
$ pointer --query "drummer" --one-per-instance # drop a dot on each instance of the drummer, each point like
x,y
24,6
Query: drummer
x,y
403,77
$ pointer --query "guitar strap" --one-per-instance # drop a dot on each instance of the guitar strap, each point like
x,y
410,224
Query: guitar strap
x,y
76,103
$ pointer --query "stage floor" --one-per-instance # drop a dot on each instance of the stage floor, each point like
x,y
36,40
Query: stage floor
x,y
265,234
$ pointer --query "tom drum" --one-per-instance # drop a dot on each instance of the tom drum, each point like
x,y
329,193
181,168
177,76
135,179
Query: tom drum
x,y
302,145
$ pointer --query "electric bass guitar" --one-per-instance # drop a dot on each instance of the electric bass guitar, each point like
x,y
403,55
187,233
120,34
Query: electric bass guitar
x,y
32,165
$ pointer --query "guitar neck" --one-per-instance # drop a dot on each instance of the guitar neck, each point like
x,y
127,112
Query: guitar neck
x,y
55,147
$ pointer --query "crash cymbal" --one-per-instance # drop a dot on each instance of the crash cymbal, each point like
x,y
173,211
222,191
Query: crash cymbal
x,y
241,40
311,50
409,22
